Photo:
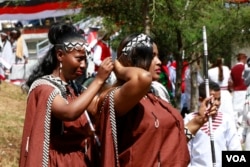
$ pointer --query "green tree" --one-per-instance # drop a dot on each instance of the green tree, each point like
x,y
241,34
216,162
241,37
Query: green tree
x,y
177,25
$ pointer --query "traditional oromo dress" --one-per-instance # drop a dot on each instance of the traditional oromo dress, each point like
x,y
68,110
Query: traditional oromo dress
x,y
48,141
151,134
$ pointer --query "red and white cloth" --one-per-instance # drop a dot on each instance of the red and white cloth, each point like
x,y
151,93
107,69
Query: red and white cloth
x,y
225,138
36,10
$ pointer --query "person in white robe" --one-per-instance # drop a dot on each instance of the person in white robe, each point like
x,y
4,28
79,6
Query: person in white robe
x,y
225,133
7,58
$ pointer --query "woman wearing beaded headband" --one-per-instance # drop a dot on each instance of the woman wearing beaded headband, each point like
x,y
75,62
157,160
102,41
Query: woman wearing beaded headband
x,y
56,130
148,130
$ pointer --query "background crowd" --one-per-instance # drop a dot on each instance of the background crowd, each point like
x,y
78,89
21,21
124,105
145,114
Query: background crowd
x,y
13,50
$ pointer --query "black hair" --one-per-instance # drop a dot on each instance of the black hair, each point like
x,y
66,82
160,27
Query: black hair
x,y
58,34
213,86
15,33
219,64
140,55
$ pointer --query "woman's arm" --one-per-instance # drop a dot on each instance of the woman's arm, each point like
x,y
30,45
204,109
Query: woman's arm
x,y
73,110
136,85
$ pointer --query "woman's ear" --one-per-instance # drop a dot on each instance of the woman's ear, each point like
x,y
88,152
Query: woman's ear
x,y
59,54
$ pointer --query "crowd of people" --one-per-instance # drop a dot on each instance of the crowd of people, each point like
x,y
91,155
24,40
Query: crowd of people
x,y
13,50
130,121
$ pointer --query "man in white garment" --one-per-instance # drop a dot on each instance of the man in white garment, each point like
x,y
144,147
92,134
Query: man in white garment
x,y
7,58
238,87
225,133
19,47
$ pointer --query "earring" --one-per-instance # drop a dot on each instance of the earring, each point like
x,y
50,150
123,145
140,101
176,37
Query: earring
x,y
60,68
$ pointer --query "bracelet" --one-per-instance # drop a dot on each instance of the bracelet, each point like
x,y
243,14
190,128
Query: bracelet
x,y
188,134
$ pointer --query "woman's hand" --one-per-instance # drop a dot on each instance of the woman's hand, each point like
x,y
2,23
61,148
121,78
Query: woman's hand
x,y
105,69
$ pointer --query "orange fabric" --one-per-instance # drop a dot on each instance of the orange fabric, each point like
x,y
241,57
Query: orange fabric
x,y
19,47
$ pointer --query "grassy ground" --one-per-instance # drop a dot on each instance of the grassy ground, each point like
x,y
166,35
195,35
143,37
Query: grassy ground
x,y
12,111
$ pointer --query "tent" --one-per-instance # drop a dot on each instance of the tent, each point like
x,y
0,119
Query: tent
x,y
36,9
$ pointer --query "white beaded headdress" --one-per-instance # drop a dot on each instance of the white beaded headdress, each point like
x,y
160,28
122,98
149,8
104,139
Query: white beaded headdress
x,y
141,39
69,46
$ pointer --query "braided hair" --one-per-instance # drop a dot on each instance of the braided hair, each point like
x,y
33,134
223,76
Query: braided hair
x,y
136,50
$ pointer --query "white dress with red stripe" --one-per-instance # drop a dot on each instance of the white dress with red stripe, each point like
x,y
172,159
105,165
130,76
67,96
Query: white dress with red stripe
x,y
225,138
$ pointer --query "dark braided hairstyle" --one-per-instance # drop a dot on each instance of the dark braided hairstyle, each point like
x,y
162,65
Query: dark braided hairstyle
x,y
139,55
58,34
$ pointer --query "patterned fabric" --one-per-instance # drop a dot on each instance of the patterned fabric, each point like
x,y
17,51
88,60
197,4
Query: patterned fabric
x,y
113,124
46,143
216,122
79,46
56,82
141,39
188,133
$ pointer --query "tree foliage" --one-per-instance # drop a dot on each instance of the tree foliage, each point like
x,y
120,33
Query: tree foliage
x,y
177,25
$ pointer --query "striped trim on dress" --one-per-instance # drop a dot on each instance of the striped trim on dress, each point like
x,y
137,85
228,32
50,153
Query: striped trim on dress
x,y
48,80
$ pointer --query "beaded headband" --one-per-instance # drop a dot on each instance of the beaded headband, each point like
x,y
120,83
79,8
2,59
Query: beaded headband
x,y
79,46
141,39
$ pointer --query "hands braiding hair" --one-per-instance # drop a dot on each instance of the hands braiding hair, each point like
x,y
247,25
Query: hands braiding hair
x,y
105,68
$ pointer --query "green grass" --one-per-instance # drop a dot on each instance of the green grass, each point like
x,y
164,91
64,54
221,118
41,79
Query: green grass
x,y
12,111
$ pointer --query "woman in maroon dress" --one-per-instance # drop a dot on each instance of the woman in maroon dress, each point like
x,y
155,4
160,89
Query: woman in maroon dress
x,y
136,126
56,130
